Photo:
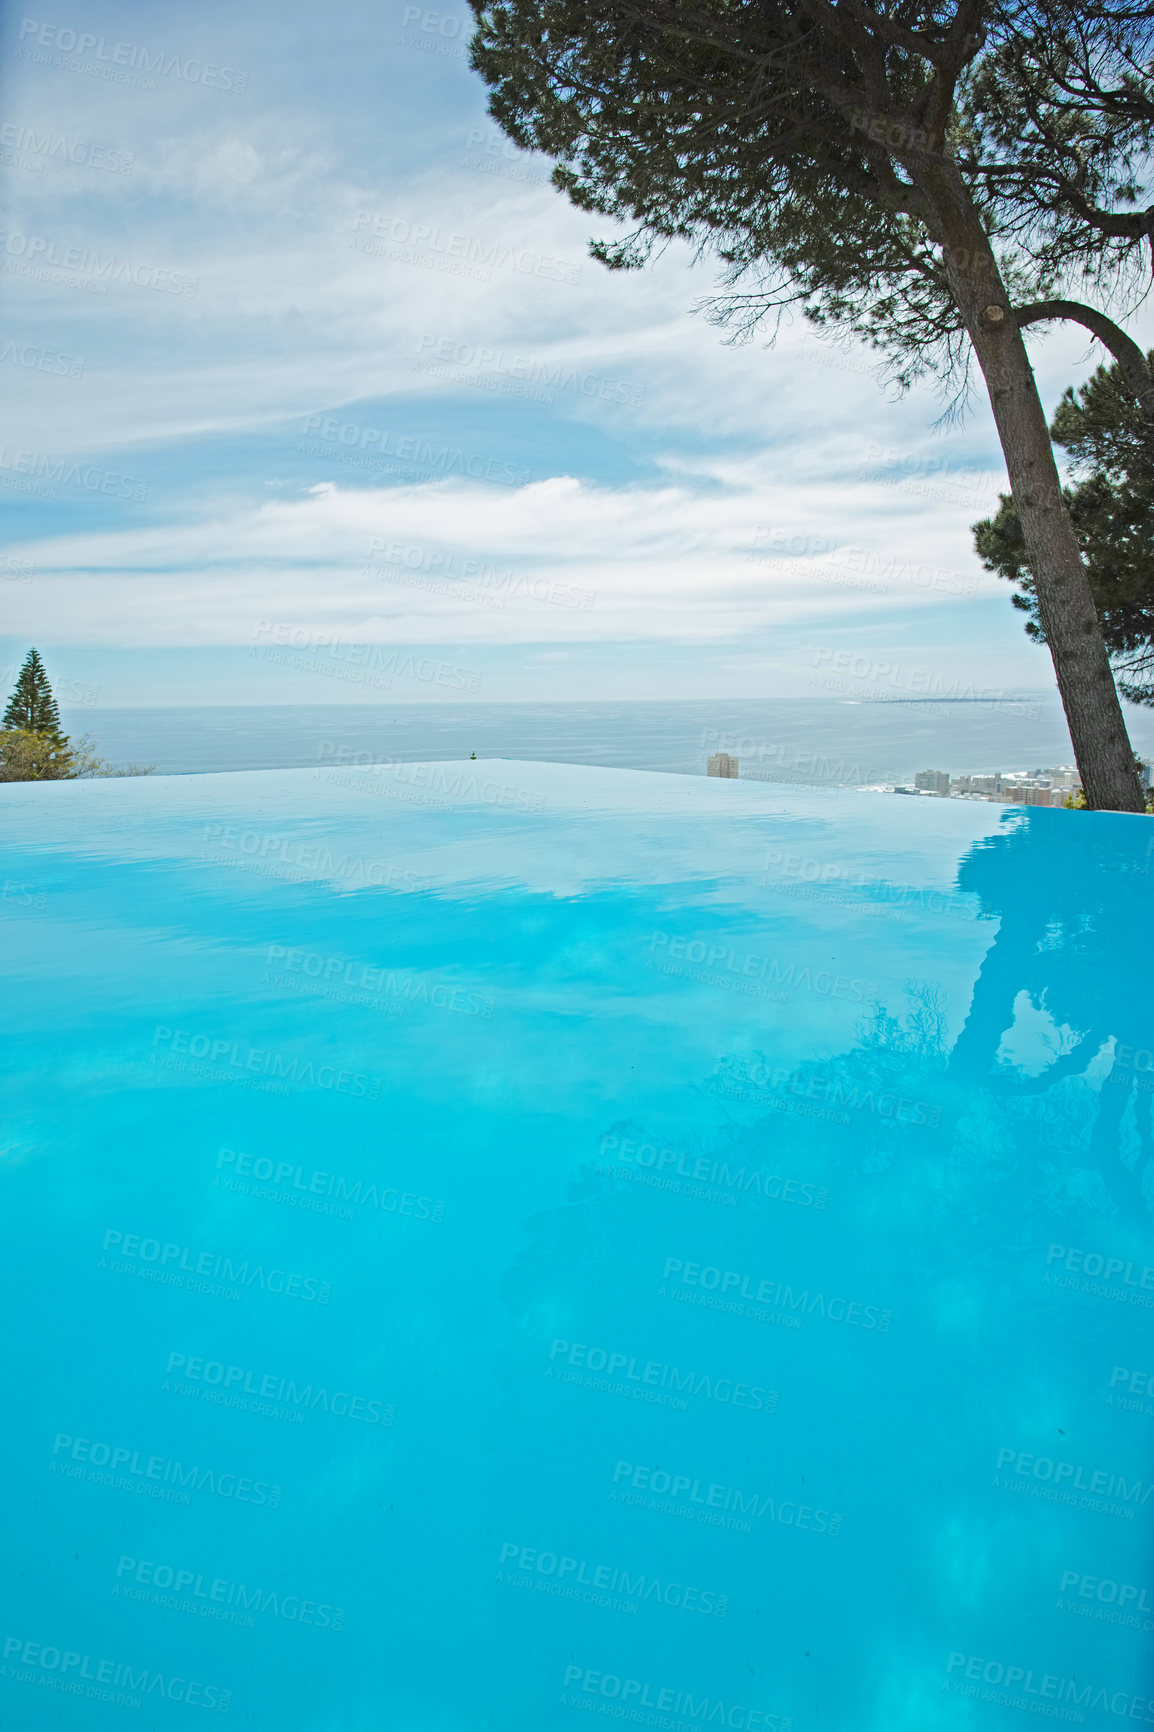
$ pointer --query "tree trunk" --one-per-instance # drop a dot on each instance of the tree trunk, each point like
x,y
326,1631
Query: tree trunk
x,y
1066,609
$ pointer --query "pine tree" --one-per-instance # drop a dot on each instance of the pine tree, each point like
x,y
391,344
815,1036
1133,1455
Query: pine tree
x,y
934,176
32,707
1111,506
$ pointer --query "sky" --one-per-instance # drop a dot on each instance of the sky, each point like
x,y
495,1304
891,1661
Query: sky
x,y
314,395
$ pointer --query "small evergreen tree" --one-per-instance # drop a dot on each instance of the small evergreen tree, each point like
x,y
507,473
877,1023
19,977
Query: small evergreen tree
x,y
32,746
32,707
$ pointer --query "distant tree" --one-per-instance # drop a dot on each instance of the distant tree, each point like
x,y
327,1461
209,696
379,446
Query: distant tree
x,y
29,757
1112,510
934,176
32,707
32,746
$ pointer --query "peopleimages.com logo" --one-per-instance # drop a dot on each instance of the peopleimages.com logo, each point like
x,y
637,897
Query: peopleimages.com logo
x,y
580,1578
717,1502
725,960
286,1178
214,1266
41,253
159,1474
258,1061
271,1386
635,1693
1073,1483
120,61
221,1592
965,1669
63,1668
658,1377
738,1283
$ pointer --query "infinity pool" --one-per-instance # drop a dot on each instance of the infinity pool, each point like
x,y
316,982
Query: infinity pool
x,y
503,1243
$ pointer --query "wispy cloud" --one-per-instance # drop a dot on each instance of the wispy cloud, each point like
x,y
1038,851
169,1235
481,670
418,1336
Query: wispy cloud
x,y
350,239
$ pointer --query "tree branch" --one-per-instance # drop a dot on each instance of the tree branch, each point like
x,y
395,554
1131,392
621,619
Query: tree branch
x,y
1123,348
966,33
877,24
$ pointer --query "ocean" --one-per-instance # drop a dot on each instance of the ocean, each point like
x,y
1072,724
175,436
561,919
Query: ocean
x,y
807,740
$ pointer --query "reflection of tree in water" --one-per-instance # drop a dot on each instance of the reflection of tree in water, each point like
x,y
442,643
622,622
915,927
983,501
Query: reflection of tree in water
x,y
1071,897
928,1167
887,1085
850,1120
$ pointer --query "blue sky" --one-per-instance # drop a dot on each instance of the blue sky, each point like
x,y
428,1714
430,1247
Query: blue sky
x,y
307,369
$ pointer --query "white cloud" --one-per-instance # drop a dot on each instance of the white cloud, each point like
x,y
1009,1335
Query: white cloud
x,y
689,560
663,459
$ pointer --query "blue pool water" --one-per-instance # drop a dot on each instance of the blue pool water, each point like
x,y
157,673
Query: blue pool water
x,y
505,1246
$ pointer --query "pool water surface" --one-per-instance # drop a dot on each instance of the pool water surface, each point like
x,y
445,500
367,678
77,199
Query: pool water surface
x,y
500,1243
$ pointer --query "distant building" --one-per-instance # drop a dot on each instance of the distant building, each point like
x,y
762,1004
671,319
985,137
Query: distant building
x,y
721,764
1030,794
1063,776
1050,787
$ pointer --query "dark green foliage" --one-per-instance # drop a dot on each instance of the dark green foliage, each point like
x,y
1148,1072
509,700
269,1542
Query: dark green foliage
x,y
934,176
798,141
32,708
1055,123
1112,509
